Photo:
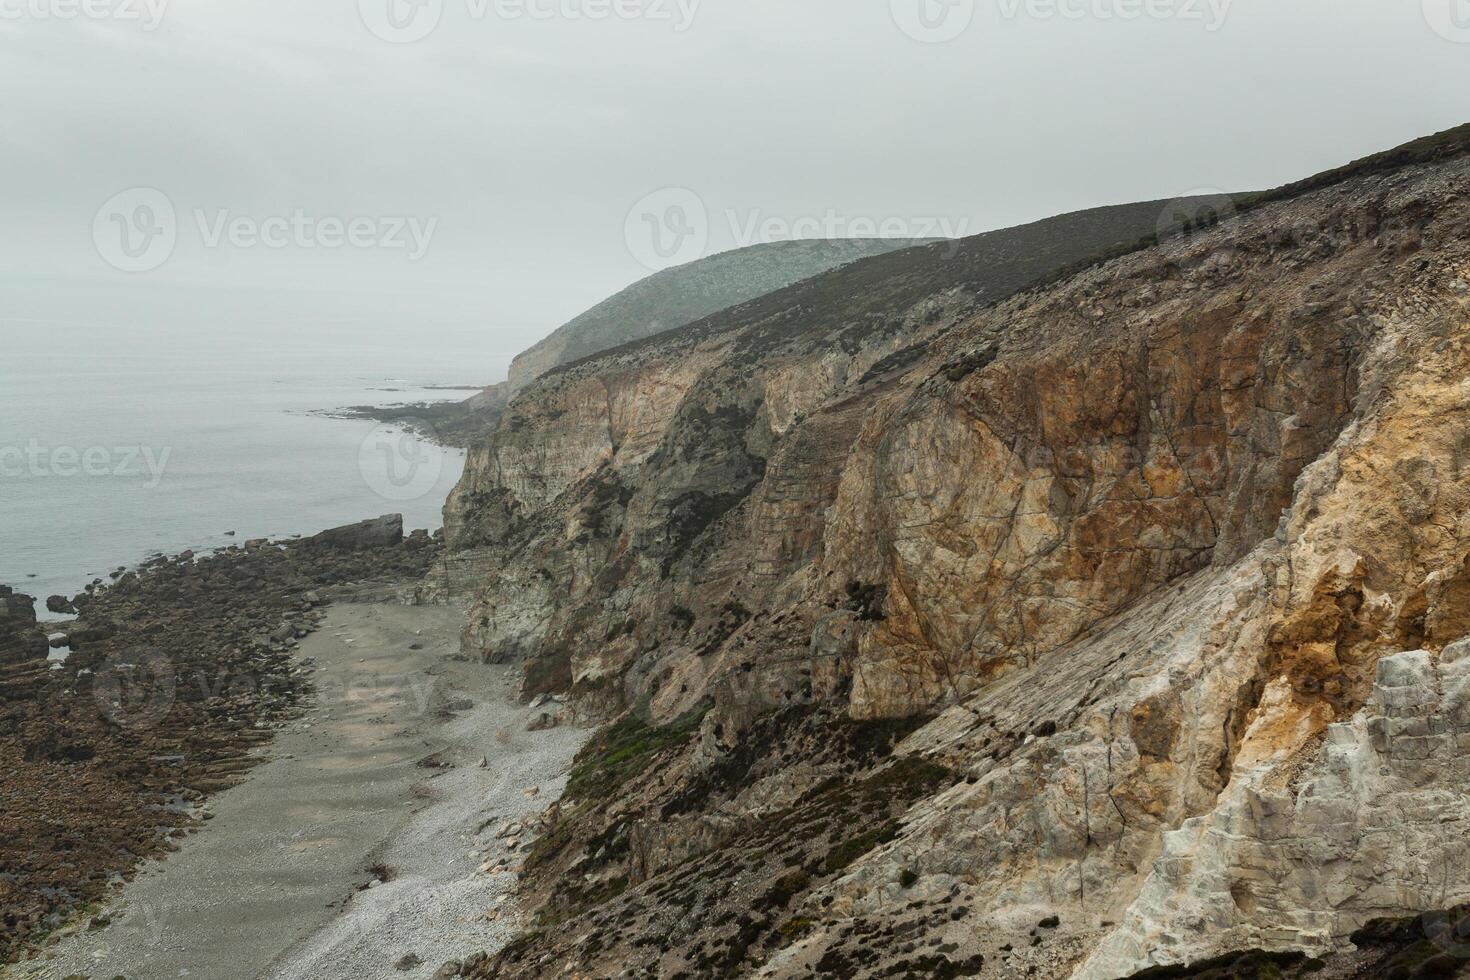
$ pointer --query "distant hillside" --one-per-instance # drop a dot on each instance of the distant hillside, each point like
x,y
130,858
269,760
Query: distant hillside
x,y
681,295
852,305
664,301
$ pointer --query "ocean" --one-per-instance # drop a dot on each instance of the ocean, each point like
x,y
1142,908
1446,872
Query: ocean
x,y
119,440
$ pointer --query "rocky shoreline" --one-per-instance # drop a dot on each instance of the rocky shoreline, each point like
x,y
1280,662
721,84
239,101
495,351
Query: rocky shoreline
x,y
179,674
452,424
380,840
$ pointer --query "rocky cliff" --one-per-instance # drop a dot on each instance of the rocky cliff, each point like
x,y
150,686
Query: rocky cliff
x,y
1011,610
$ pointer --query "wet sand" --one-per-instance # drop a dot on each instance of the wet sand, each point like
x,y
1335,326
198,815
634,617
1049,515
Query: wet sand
x,y
380,784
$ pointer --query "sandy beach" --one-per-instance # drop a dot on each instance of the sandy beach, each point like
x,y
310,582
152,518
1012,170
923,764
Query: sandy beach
x,y
356,852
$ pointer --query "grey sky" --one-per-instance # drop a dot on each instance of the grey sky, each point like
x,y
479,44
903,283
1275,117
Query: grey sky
x,y
520,143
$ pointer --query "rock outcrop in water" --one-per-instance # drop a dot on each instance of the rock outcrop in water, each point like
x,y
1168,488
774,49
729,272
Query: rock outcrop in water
x,y
21,640
1010,614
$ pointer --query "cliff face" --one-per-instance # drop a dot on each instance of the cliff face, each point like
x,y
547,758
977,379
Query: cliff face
x,y
637,469
1127,605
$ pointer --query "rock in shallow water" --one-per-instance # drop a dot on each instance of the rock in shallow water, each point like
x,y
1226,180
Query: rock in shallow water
x,y
381,532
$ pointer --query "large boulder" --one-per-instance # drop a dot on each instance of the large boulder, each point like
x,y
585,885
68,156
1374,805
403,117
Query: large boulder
x,y
382,532
16,610
20,639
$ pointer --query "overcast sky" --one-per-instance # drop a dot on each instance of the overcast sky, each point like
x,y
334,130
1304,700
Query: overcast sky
x,y
513,164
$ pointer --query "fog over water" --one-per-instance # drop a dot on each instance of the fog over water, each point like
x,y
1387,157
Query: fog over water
x,y
117,440
222,214
527,132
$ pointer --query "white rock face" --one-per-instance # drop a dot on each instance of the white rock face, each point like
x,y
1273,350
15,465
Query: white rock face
x,y
1377,822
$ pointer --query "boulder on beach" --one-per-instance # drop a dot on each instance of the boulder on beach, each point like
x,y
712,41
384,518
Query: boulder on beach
x,y
15,608
60,604
545,721
20,640
382,532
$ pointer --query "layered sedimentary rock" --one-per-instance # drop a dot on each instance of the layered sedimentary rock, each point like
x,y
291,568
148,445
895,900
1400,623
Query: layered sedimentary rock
x,y
991,619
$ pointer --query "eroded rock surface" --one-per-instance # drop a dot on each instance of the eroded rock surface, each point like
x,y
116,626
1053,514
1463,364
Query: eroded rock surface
x,y
981,619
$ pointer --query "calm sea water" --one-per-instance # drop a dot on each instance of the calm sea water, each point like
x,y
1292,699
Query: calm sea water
x,y
120,441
